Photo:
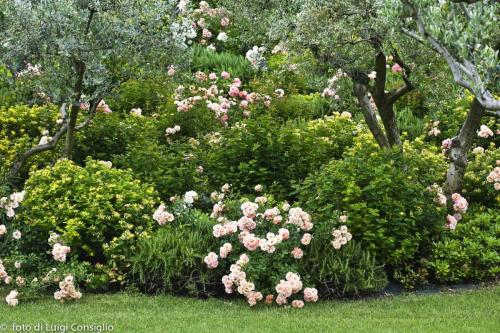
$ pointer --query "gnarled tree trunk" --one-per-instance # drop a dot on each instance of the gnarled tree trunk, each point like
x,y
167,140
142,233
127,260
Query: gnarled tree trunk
x,y
361,92
460,146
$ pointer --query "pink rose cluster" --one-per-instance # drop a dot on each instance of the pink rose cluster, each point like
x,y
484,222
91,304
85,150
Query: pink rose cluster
x,y
494,177
162,216
207,19
238,279
4,275
213,93
212,260
485,132
59,252
293,285
9,204
103,107
460,206
446,145
440,198
434,130
331,90
340,237
67,290
299,218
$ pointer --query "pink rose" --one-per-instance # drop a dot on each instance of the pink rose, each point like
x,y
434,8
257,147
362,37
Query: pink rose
x,y
310,295
297,253
306,239
396,68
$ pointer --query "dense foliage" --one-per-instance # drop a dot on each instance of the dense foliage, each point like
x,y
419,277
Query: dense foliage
x,y
280,151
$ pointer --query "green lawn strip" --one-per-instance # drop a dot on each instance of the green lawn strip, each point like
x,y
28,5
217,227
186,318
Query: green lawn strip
x,y
464,311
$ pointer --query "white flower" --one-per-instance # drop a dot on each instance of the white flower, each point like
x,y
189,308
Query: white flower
x,y
222,37
16,235
136,112
190,197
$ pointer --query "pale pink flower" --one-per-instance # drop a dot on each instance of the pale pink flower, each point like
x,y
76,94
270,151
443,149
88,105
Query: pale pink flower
x,y
271,213
162,216
446,144
225,250
225,75
284,233
306,239
212,260
261,200
237,82
171,70
206,33
11,298
244,104
460,205
451,222
234,91
485,132
249,208
298,304
3,229
246,224
310,295
224,22
59,252
396,68
297,253
251,242
281,300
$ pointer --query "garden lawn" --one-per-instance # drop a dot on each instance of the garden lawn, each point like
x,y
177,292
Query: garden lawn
x,y
459,311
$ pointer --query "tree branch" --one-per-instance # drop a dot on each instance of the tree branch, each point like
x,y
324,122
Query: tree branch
x,y
92,112
473,83
381,69
19,162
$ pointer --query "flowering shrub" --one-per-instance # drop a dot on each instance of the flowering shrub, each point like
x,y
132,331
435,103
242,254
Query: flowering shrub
x,y
29,272
262,244
101,213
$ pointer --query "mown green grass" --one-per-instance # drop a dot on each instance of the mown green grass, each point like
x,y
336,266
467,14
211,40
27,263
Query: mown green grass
x,y
464,311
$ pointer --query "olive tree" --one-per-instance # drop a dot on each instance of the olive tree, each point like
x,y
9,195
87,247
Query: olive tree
x,y
346,35
77,51
465,34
